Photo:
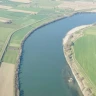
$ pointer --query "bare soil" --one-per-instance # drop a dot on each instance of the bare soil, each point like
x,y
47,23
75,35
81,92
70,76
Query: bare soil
x,y
7,79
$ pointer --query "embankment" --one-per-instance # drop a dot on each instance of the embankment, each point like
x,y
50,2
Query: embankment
x,y
67,48
18,66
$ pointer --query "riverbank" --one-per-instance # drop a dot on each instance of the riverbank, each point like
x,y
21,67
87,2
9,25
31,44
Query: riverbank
x,y
70,59
16,19
18,66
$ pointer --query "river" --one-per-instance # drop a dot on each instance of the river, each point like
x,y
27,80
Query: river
x,y
44,70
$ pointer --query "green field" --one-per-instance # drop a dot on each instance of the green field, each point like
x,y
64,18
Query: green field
x,y
85,53
11,56
19,35
6,32
23,23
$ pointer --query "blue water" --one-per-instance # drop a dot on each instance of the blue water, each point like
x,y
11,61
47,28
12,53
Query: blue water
x,y
43,65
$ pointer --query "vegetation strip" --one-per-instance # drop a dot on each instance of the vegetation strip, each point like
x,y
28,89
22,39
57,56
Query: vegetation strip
x,y
45,13
17,85
68,43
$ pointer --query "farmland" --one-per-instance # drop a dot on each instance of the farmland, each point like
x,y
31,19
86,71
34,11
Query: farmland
x,y
85,55
22,19
19,18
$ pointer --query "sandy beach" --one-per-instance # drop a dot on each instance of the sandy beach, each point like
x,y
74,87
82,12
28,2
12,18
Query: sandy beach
x,y
74,69
7,79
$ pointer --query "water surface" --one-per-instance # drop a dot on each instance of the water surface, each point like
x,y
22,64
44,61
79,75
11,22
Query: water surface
x,y
43,65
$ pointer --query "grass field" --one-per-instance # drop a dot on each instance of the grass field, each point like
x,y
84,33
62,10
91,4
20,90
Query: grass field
x,y
85,53
11,56
19,35
19,20
47,10
12,34
3,37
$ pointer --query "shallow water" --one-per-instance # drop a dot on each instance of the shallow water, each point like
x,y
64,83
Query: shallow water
x,y
43,65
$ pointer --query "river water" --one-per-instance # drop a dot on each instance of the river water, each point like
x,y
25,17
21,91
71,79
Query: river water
x,y
44,70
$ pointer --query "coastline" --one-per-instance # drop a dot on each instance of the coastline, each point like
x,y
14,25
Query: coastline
x,y
75,71
18,66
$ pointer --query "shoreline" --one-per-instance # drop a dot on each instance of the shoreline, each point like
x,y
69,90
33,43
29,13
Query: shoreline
x,y
18,65
83,87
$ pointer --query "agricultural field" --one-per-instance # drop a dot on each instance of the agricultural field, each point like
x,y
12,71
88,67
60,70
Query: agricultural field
x,y
4,37
11,56
19,18
85,54
19,35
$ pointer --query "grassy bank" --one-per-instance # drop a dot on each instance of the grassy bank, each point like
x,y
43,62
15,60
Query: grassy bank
x,y
25,23
79,50
85,49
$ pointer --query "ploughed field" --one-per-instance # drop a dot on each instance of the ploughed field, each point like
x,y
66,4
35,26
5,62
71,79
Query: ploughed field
x,y
85,55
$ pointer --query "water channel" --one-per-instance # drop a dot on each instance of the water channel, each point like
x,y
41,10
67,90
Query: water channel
x,y
45,71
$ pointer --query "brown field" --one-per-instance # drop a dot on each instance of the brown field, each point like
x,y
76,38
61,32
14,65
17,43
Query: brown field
x,y
7,79
5,7
22,1
77,5
4,19
22,11
92,11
